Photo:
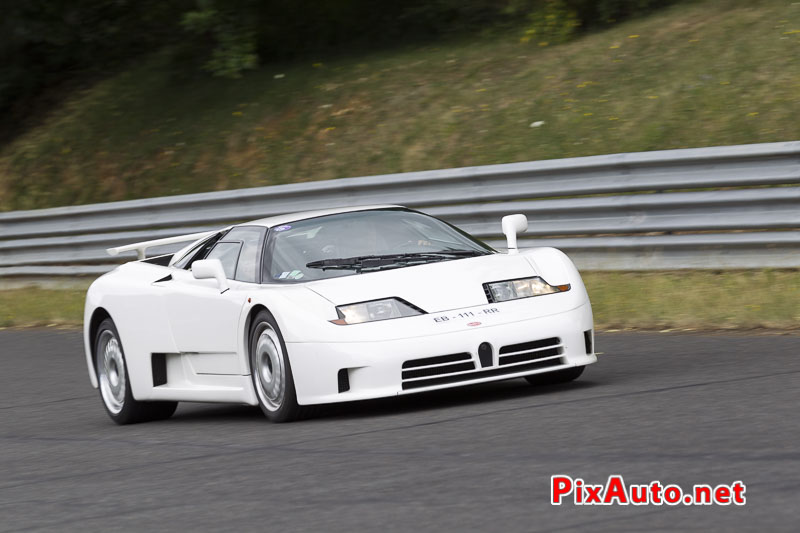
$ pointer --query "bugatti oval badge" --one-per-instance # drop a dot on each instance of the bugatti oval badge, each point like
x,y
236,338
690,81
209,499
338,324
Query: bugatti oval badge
x,y
474,324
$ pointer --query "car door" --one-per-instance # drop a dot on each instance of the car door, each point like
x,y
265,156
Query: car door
x,y
204,320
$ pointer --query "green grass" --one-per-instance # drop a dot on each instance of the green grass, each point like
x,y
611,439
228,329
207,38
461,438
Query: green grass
x,y
713,72
701,300
34,306
691,300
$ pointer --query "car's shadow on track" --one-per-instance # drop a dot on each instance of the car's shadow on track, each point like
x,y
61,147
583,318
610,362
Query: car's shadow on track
x,y
483,394
204,412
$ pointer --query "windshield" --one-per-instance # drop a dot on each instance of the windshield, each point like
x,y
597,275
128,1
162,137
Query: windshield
x,y
362,241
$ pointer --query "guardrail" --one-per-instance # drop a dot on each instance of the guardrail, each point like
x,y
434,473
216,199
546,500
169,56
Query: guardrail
x,y
720,207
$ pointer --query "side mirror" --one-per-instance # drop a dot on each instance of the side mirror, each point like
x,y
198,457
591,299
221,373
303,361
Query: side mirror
x,y
210,269
513,224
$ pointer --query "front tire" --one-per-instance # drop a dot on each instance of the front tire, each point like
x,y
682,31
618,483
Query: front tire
x,y
114,383
271,372
559,376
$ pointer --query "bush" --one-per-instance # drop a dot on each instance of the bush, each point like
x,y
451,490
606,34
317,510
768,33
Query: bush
x,y
594,13
43,42
552,22
232,34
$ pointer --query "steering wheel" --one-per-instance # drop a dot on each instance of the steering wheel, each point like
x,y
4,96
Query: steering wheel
x,y
408,245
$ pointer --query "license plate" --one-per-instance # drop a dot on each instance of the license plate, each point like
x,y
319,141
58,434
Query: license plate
x,y
472,316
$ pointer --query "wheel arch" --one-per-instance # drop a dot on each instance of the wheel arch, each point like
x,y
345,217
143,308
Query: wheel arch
x,y
248,324
289,409
98,315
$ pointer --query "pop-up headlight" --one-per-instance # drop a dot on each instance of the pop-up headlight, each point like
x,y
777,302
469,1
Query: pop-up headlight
x,y
513,289
375,310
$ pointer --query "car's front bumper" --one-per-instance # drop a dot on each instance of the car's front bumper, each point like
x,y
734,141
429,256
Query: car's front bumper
x,y
376,369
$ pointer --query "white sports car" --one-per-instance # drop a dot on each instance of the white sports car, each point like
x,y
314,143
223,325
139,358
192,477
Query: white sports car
x,y
330,306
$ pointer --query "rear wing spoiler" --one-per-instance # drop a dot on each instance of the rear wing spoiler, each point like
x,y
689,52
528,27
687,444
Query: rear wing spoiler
x,y
141,247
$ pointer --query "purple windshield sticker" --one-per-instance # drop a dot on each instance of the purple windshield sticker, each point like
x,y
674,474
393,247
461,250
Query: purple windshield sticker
x,y
283,228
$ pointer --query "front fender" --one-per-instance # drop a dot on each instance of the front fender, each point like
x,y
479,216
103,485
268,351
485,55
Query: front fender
x,y
302,314
555,267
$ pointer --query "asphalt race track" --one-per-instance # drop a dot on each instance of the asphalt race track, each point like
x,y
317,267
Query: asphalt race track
x,y
681,409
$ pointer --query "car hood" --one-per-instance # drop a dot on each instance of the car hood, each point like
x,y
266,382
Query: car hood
x,y
432,287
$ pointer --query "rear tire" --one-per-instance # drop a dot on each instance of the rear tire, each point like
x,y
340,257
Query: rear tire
x,y
271,372
560,376
114,382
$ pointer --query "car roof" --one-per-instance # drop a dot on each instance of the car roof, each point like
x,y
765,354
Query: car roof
x,y
288,218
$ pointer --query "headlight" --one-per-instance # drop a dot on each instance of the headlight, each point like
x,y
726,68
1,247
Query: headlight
x,y
512,289
375,310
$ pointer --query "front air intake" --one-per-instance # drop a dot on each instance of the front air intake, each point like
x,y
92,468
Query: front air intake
x,y
158,362
343,377
454,368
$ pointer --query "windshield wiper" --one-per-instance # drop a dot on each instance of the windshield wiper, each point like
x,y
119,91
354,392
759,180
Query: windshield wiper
x,y
371,262
458,253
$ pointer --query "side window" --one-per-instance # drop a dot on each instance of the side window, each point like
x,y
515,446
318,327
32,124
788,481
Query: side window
x,y
251,240
228,255
198,252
